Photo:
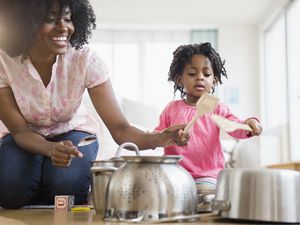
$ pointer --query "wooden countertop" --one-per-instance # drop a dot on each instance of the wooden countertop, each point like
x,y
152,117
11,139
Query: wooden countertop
x,y
51,217
288,165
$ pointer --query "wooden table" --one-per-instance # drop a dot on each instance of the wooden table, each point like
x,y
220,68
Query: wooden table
x,y
51,217
289,166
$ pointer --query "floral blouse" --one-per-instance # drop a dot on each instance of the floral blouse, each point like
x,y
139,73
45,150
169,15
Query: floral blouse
x,y
57,108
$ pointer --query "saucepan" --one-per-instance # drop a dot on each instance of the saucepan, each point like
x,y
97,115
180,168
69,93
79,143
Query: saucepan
x,y
270,195
102,170
152,189
101,173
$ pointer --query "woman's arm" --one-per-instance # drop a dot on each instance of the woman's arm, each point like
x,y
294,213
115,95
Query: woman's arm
x,y
30,141
106,105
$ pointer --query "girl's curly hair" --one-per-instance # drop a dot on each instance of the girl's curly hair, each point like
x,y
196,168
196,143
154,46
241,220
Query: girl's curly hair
x,y
24,17
183,55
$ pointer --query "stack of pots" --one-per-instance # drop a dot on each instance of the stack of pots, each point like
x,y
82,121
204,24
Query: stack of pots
x,y
143,188
102,170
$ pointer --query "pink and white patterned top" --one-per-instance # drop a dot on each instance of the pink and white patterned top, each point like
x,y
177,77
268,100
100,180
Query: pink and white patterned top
x,y
57,108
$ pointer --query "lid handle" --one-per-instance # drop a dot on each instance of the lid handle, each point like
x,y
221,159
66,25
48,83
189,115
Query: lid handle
x,y
127,144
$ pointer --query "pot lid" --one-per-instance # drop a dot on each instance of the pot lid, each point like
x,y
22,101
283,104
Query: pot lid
x,y
153,159
114,159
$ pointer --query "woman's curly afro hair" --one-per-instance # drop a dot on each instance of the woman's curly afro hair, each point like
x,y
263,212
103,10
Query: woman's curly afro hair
x,y
183,55
24,17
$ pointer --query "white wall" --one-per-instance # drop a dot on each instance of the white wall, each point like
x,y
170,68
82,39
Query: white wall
x,y
238,45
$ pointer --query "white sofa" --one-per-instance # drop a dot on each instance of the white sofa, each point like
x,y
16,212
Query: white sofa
x,y
141,115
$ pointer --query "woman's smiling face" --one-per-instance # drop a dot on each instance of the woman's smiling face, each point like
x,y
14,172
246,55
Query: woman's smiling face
x,y
55,33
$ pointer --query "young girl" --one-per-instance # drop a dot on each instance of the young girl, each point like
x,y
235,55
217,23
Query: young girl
x,y
195,70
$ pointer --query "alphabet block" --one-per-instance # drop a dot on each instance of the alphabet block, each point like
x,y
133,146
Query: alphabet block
x,y
64,202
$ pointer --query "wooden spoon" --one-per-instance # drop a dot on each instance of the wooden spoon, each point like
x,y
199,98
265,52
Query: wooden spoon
x,y
228,125
205,104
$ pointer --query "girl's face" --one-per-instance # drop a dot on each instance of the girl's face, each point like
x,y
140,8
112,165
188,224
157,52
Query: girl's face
x,y
197,78
55,33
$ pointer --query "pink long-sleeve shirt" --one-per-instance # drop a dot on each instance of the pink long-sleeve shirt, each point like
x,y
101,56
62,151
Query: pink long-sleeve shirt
x,y
203,156
57,108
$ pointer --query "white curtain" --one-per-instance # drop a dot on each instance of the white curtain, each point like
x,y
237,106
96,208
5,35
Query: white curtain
x,y
293,56
282,80
275,88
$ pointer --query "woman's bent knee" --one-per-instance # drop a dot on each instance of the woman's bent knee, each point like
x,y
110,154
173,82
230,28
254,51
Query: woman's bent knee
x,y
13,197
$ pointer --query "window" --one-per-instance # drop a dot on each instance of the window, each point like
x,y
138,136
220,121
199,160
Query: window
x,y
293,56
139,60
282,80
205,36
275,75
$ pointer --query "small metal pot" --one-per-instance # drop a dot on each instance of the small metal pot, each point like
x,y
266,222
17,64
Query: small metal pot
x,y
102,170
270,195
101,173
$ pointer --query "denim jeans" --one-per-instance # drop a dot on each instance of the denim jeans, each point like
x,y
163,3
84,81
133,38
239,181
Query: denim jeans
x,y
29,179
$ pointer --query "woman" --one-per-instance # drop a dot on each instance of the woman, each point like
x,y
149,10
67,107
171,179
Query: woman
x,y
44,71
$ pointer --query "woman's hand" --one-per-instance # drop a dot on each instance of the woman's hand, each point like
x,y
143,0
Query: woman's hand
x,y
61,153
174,135
255,126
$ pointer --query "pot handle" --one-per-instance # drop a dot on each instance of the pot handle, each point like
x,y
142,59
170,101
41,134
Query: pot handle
x,y
98,169
127,144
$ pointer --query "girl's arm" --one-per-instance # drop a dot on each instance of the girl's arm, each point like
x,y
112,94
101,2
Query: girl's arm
x,y
224,111
255,125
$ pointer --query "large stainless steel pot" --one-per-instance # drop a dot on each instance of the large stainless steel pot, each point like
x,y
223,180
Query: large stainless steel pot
x,y
151,188
259,194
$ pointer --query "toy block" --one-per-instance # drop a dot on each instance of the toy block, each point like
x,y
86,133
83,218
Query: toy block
x,y
64,202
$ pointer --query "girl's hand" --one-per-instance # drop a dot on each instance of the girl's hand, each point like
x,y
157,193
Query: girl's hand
x,y
255,126
61,153
174,135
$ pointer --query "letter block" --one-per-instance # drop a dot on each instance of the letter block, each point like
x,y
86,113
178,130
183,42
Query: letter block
x,y
64,202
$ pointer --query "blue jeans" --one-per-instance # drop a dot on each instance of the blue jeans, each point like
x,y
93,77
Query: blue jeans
x,y
28,179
